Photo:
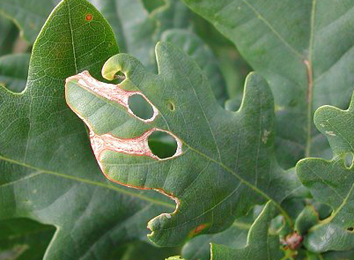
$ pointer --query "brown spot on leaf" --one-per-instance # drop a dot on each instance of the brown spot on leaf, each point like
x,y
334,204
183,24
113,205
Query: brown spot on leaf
x,y
198,229
88,17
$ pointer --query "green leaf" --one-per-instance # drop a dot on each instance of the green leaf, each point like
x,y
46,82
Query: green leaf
x,y
28,15
203,55
348,255
135,36
306,219
260,243
145,251
24,239
296,46
47,172
151,5
224,162
8,32
13,71
233,237
332,182
133,26
173,15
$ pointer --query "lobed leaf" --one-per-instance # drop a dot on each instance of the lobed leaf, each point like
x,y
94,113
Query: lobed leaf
x,y
260,243
224,162
331,182
303,48
47,172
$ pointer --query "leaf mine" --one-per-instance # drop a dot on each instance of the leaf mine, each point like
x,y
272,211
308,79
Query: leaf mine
x,y
138,146
134,146
212,165
112,92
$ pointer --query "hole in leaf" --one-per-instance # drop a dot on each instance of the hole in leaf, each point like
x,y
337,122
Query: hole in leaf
x,y
162,144
171,106
140,107
351,229
348,160
120,76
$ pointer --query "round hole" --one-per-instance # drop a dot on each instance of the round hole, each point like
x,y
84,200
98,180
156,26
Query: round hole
x,y
162,144
120,76
351,229
140,107
171,106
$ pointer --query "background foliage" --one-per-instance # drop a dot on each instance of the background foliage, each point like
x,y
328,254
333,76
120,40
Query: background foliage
x,y
248,195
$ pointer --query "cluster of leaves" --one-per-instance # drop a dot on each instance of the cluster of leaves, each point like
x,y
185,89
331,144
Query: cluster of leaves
x,y
239,178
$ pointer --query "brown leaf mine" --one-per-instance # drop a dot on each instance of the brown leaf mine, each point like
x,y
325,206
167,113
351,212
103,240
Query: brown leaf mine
x,y
111,92
135,146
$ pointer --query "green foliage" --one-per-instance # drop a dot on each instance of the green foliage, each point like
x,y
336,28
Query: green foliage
x,y
13,71
331,182
47,171
180,122
297,46
260,244
202,158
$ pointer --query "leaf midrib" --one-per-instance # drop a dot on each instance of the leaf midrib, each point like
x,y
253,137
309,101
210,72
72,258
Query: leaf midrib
x,y
89,182
309,124
310,82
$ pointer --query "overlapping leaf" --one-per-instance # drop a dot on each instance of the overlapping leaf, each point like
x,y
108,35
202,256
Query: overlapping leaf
x,y
8,32
203,55
332,182
233,237
303,48
260,243
47,172
29,15
24,239
225,161
13,71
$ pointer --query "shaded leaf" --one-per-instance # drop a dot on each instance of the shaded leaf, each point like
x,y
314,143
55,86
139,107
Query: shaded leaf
x,y
29,15
331,182
8,32
145,251
260,243
203,55
24,239
306,219
233,237
133,26
296,46
47,172
151,5
224,162
13,71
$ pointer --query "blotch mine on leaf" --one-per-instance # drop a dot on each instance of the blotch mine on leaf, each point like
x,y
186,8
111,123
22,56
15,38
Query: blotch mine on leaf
x,y
138,146
111,92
